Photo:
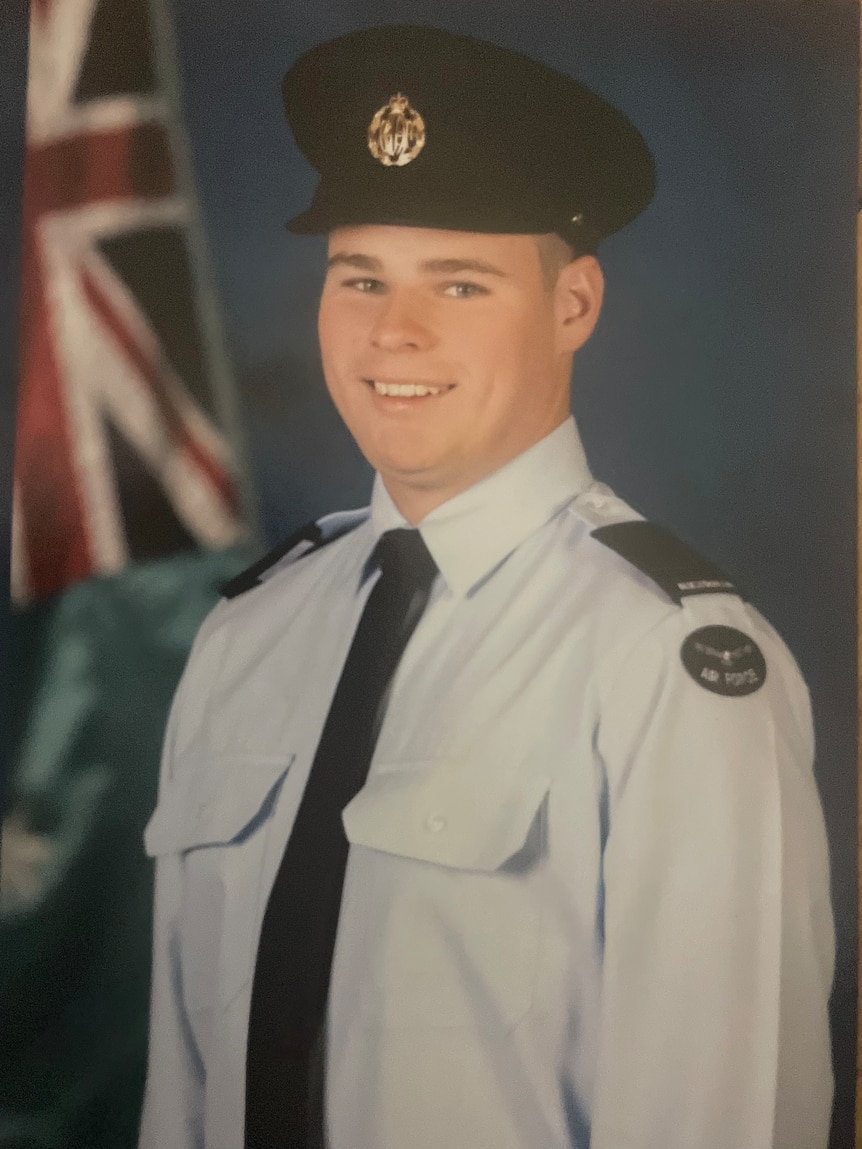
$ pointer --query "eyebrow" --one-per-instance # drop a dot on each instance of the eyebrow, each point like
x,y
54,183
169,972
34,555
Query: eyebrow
x,y
431,266
363,262
453,266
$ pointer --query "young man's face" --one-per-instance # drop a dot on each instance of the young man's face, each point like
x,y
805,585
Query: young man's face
x,y
445,353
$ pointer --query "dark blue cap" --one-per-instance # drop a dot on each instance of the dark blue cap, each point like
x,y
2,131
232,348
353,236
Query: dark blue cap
x,y
420,127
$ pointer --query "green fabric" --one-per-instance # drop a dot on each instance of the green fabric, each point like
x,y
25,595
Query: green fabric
x,y
95,669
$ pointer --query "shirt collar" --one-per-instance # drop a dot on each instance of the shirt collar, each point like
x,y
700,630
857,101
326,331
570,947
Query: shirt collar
x,y
473,532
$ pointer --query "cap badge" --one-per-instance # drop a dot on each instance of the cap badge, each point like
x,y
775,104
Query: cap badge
x,y
396,135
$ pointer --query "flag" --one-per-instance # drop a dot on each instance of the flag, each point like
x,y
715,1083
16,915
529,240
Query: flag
x,y
130,510
118,456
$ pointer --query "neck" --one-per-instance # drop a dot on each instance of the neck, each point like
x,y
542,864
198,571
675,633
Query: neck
x,y
416,503
416,499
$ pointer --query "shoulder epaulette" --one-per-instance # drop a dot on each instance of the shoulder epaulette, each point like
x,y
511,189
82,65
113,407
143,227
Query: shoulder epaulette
x,y
314,535
670,563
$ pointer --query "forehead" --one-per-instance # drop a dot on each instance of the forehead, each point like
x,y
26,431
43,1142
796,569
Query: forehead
x,y
417,247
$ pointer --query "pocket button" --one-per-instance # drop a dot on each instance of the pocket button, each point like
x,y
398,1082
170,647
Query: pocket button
x,y
435,823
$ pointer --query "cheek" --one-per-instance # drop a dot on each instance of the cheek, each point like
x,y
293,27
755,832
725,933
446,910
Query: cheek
x,y
481,341
503,347
529,346
338,340
333,359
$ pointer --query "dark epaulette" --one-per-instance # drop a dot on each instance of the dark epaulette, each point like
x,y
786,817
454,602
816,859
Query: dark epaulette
x,y
250,577
312,533
673,565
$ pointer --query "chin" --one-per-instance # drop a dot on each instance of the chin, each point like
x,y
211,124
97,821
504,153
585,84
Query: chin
x,y
410,468
409,472
408,462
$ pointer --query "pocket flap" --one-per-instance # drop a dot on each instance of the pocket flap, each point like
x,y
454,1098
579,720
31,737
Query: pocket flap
x,y
445,813
214,803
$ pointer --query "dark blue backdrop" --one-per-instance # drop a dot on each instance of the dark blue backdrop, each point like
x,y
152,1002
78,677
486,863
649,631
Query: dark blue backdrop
x,y
718,394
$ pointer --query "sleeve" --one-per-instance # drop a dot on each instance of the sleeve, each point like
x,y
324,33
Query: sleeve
x,y
719,942
172,1114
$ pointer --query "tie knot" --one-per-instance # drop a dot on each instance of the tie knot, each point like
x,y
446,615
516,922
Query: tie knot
x,y
402,554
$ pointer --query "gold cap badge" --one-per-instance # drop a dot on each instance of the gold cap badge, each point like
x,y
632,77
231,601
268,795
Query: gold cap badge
x,y
396,135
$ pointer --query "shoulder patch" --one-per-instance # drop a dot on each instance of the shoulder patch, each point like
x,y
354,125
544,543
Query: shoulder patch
x,y
724,660
670,563
311,537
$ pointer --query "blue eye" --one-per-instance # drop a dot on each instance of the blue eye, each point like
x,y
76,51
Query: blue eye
x,y
367,286
464,290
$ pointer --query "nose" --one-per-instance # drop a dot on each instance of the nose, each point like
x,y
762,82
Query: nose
x,y
399,325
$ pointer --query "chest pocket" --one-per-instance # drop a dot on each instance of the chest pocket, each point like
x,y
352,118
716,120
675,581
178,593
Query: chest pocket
x,y
215,818
453,856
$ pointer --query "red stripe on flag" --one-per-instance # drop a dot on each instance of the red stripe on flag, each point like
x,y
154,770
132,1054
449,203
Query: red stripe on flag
x,y
54,518
41,8
213,470
126,163
154,374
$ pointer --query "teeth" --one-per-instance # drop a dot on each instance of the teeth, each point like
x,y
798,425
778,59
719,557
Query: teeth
x,y
404,390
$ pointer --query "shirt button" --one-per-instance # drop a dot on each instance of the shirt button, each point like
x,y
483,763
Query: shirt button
x,y
595,501
435,823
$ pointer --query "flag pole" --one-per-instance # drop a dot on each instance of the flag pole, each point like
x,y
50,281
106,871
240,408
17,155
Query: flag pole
x,y
209,306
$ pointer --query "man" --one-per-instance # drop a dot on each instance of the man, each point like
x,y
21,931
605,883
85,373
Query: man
x,y
487,815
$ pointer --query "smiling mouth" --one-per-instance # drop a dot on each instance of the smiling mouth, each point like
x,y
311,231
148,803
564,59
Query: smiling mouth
x,y
394,390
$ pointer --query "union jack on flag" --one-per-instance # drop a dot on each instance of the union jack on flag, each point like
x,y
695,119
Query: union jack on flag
x,y
119,454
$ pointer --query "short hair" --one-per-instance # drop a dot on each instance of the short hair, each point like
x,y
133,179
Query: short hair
x,y
554,255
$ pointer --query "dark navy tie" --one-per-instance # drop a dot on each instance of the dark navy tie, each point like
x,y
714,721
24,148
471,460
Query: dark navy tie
x,y
285,1056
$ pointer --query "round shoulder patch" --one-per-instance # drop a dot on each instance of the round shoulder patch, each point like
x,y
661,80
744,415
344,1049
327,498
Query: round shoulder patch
x,y
724,660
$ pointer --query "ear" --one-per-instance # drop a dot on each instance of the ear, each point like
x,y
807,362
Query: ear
x,y
578,298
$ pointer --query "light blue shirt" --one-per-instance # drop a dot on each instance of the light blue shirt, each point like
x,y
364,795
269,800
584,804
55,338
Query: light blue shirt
x,y
587,899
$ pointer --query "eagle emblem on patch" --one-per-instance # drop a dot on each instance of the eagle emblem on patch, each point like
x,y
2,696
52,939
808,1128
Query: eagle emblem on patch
x,y
724,660
396,134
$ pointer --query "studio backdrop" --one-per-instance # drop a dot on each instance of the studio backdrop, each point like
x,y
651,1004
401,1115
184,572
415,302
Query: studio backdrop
x,y
717,396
